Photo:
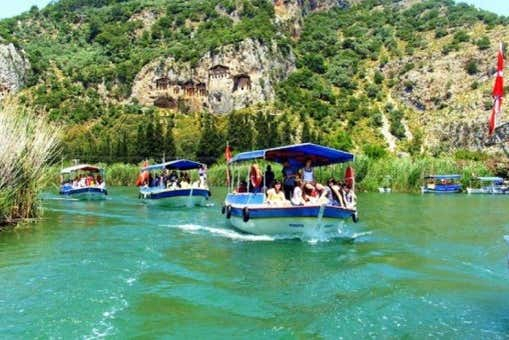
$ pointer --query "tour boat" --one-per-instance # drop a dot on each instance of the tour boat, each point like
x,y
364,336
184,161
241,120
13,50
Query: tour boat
x,y
83,181
490,185
442,184
174,192
251,213
384,190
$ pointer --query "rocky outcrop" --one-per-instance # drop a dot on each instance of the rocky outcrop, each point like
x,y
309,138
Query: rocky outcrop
x,y
232,78
290,13
14,67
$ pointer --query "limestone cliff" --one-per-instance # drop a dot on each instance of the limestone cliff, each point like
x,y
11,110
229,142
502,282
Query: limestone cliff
x,y
13,69
234,77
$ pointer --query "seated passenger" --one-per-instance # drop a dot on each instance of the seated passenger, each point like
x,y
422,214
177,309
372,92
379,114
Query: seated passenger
x,y
336,195
275,196
100,183
323,194
297,197
310,194
350,198
242,187
82,181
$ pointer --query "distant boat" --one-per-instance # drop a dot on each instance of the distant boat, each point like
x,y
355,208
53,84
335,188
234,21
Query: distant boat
x,y
172,189
83,181
490,186
386,187
250,212
441,184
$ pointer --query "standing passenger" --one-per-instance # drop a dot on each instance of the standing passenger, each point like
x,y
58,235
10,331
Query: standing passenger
x,y
289,176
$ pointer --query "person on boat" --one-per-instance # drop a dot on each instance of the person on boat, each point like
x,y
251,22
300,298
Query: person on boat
x,y
289,176
350,198
172,178
242,187
275,196
82,181
255,178
309,193
75,182
335,193
99,182
202,172
307,173
269,177
297,197
323,193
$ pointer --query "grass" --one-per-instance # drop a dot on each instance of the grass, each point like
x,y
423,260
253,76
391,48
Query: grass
x,y
28,144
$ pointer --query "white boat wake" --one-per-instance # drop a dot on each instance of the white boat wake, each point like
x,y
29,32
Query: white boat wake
x,y
227,233
237,236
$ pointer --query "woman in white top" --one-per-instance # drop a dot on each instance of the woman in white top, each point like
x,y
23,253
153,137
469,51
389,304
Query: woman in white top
x,y
307,173
297,198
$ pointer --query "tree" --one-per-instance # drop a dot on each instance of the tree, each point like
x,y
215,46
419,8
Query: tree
x,y
169,149
211,144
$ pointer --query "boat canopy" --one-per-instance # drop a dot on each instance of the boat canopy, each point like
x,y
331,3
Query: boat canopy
x,y
297,155
490,179
81,167
443,177
179,164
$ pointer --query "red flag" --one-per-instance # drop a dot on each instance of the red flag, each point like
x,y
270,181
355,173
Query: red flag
x,y
498,92
228,156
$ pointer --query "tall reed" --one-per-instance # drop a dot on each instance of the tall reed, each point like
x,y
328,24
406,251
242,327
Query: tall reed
x,y
27,144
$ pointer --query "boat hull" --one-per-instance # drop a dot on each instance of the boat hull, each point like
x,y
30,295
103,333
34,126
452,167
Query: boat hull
x,y
295,221
447,190
177,198
487,191
384,190
85,193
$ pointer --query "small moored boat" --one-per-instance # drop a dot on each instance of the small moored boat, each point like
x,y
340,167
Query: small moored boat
x,y
442,184
490,186
83,181
250,212
172,189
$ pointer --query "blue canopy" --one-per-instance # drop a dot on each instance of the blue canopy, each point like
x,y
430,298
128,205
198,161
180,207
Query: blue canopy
x,y
444,176
179,164
491,179
297,155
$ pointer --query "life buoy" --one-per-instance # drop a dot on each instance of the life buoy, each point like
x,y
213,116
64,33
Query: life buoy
x,y
349,177
355,217
245,214
228,211
142,178
255,176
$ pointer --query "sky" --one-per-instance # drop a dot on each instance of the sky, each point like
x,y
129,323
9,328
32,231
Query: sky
x,y
10,8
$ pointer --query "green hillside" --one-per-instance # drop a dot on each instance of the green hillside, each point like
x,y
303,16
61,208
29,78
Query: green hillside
x,y
352,87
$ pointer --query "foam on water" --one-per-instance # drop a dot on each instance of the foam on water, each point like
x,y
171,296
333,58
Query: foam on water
x,y
317,237
227,233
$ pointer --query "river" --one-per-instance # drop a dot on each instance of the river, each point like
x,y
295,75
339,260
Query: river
x,y
414,266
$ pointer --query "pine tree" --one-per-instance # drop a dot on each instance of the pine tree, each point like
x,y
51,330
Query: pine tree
x,y
169,149
211,143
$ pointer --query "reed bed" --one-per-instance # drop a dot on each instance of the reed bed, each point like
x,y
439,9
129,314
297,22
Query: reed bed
x,y
402,174
28,143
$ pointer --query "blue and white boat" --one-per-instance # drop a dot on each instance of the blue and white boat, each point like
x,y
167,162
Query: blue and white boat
x,y
490,186
175,192
83,181
442,184
251,213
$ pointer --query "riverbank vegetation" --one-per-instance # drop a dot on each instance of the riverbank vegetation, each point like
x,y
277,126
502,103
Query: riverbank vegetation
x,y
27,143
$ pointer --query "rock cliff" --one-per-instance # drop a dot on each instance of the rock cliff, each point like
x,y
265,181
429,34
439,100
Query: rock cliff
x,y
14,68
234,77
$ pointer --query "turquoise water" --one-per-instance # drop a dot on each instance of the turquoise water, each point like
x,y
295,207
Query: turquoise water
x,y
415,266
